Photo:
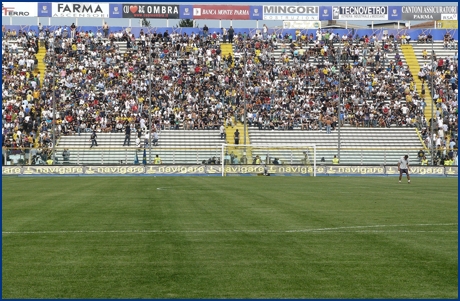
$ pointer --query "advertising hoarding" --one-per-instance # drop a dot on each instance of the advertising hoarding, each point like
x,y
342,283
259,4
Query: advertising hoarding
x,y
290,12
151,11
429,12
360,13
221,12
80,10
19,9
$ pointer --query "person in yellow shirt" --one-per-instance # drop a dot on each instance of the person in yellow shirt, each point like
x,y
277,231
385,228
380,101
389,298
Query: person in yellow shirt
x,y
424,161
335,160
157,160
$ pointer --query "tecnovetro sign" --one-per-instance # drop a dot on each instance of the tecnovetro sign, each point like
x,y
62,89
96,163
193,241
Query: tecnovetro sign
x,y
81,10
429,12
290,12
360,13
19,9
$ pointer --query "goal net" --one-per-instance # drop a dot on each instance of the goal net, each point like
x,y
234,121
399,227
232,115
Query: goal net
x,y
252,158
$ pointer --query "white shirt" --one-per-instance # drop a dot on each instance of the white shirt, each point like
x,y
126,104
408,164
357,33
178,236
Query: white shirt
x,y
403,163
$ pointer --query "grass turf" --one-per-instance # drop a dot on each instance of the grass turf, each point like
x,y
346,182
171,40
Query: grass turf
x,y
233,237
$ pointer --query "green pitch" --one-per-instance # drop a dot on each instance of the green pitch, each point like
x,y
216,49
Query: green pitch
x,y
233,237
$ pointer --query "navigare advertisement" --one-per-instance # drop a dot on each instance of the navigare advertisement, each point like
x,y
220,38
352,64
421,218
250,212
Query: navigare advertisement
x,y
221,12
80,10
360,13
151,11
19,9
216,170
291,12
429,13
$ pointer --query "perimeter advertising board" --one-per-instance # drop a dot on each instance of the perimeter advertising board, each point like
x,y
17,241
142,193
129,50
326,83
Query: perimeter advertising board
x,y
360,13
290,12
19,9
116,10
429,12
151,11
221,12
216,170
80,10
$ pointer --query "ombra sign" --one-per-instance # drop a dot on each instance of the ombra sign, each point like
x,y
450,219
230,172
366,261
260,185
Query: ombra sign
x,y
81,10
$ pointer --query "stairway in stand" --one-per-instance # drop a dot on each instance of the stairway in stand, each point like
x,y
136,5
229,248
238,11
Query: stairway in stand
x,y
41,67
414,68
227,48
230,131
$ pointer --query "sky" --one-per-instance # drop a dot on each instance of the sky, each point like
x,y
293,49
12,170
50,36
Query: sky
x,y
209,23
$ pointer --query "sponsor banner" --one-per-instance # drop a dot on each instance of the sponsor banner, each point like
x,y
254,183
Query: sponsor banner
x,y
256,12
80,10
451,171
221,12
447,24
115,170
186,11
116,10
429,13
417,170
301,170
355,170
52,170
182,169
19,9
291,12
151,11
360,13
394,13
301,24
325,13
11,170
44,9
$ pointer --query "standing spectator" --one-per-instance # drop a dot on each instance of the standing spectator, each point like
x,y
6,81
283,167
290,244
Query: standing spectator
x,y
403,167
230,32
265,32
127,134
237,136
222,131
205,30
73,29
66,156
155,138
105,29
93,139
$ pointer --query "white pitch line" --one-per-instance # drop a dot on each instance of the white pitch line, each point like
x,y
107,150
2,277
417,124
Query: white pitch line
x,y
318,230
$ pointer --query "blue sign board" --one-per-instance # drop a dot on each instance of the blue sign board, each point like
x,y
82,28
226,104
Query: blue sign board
x,y
44,9
256,12
325,13
116,10
186,11
394,13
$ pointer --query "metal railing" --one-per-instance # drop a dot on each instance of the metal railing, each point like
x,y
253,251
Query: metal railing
x,y
204,155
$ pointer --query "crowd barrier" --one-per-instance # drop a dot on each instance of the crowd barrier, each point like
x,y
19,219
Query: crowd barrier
x,y
229,170
438,34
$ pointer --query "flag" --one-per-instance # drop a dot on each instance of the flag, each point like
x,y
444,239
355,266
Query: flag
x,y
144,158
136,161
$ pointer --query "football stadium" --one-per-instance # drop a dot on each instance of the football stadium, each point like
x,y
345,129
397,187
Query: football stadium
x,y
237,151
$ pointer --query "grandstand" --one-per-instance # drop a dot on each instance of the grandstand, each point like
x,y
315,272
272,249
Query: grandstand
x,y
291,93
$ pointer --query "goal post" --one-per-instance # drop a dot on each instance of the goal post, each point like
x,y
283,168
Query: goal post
x,y
272,155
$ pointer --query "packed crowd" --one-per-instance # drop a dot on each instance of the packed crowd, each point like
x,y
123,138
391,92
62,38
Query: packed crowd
x,y
196,86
